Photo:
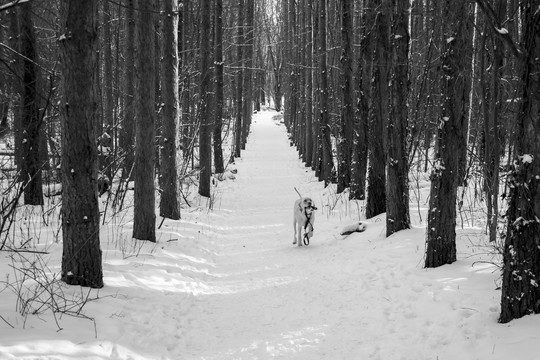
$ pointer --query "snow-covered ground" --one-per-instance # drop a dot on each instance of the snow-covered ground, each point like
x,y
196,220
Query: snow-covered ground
x,y
228,284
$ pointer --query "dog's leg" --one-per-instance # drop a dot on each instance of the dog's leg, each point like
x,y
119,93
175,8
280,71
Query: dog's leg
x,y
294,227
299,233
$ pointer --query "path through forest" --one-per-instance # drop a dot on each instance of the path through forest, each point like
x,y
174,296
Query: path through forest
x,y
340,298
229,284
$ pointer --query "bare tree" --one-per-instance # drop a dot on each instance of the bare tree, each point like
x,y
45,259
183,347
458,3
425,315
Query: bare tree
x,y
218,69
169,205
127,135
397,169
144,222
376,199
31,119
205,145
347,110
521,270
325,159
81,258
239,77
451,134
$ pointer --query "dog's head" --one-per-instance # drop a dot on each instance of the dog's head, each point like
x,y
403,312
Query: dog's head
x,y
307,204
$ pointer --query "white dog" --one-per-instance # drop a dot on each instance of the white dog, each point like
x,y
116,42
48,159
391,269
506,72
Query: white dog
x,y
304,217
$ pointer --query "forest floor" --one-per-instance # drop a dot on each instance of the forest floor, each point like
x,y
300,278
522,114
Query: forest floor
x,y
227,283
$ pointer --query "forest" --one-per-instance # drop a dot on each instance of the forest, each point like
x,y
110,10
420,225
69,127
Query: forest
x,y
144,104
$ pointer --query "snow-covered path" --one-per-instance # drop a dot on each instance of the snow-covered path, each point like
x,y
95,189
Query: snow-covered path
x,y
229,284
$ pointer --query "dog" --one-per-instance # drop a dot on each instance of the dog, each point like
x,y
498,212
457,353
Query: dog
x,y
303,219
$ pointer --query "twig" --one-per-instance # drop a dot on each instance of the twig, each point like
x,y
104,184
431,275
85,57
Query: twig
x,y
1,317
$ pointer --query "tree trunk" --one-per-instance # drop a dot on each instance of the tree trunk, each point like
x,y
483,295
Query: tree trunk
x,y
248,71
376,199
205,145
240,61
108,102
81,258
347,111
521,256
187,143
144,222
169,205
325,160
31,119
309,82
128,127
218,64
5,90
397,169
441,229
17,89
359,158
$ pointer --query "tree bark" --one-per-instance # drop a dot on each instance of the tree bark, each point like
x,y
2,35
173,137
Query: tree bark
x,y
144,222
218,65
521,256
248,71
31,119
240,61
359,158
325,160
169,205
451,134
205,145
309,82
376,199
81,258
128,126
397,169
347,112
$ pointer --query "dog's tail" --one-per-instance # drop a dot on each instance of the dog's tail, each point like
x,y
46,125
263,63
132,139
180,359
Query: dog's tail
x,y
298,192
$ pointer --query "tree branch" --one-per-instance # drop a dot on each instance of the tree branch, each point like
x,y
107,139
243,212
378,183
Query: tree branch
x,y
497,27
12,4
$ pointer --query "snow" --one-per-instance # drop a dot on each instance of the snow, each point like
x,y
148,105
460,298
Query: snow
x,y
527,158
228,284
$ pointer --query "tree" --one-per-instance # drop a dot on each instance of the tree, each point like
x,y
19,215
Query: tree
x,y
169,205
310,47
81,258
397,169
239,78
4,86
144,222
127,135
108,100
376,199
218,68
521,256
248,71
451,134
347,111
31,119
359,157
325,159
205,146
